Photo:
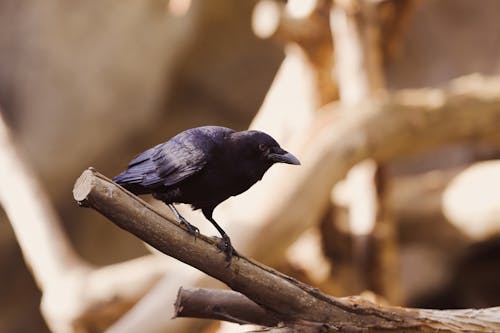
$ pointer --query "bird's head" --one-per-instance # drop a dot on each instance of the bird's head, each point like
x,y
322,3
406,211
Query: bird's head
x,y
263,147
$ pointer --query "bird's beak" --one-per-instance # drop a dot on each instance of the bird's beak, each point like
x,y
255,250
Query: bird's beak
x,y
284,157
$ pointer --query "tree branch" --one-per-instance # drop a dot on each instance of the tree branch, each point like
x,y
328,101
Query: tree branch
x,y
43,242
355,26
62,276
223,305
263,285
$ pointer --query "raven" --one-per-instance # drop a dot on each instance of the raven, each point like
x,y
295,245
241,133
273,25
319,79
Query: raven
x,y
203,166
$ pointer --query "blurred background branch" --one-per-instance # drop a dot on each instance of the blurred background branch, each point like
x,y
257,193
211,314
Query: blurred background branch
x,y
94,83
75,295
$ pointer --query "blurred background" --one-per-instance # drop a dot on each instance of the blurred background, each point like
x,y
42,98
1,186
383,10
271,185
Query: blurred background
x,y
93,83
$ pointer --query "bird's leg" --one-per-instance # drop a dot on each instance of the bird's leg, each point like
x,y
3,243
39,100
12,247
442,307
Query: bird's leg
x,y
191,228
225,244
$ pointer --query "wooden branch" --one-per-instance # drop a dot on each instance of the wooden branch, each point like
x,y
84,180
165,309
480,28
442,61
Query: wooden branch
x,y
223,305
358,53
130,213
154,311
45,247
263,285
355,28
232,306
311,32
470,201
62,276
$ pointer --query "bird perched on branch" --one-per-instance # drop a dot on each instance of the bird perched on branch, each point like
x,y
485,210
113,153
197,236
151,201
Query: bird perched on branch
x,y
203,166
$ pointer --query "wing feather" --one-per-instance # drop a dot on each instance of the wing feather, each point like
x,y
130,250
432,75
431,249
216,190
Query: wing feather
x,y
173,161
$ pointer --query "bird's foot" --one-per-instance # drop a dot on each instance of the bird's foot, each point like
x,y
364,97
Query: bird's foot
x,y
191,228
226,247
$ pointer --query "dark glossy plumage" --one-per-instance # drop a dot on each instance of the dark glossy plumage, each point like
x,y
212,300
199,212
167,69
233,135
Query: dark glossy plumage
x,y
203,166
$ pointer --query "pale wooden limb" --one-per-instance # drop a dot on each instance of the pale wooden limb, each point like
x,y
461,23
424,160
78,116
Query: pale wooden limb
x,y
74,293
394,17
92,300
301,303
471,201
308,30
358,55
154,312
43,243
359,68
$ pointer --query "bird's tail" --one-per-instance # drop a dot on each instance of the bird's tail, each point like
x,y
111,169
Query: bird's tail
x,y
131,181
133,178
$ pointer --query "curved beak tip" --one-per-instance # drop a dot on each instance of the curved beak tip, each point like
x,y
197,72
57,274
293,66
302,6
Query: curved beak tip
x,y
287,158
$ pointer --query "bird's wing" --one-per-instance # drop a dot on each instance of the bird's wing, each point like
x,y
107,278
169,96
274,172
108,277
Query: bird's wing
x,y
168,163
176,160
138,169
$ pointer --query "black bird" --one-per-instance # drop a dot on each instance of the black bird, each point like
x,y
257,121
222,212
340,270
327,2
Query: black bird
x,y
203,166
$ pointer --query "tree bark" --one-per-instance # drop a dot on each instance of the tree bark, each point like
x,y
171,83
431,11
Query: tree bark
x,y
263,285
223,305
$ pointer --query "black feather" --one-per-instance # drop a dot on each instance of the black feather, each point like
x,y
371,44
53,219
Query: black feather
x,y
203,166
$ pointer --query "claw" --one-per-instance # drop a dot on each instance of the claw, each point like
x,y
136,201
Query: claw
x,y
225,243
226,247
191,228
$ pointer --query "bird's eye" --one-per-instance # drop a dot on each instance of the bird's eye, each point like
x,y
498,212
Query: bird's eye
x,y
262,147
